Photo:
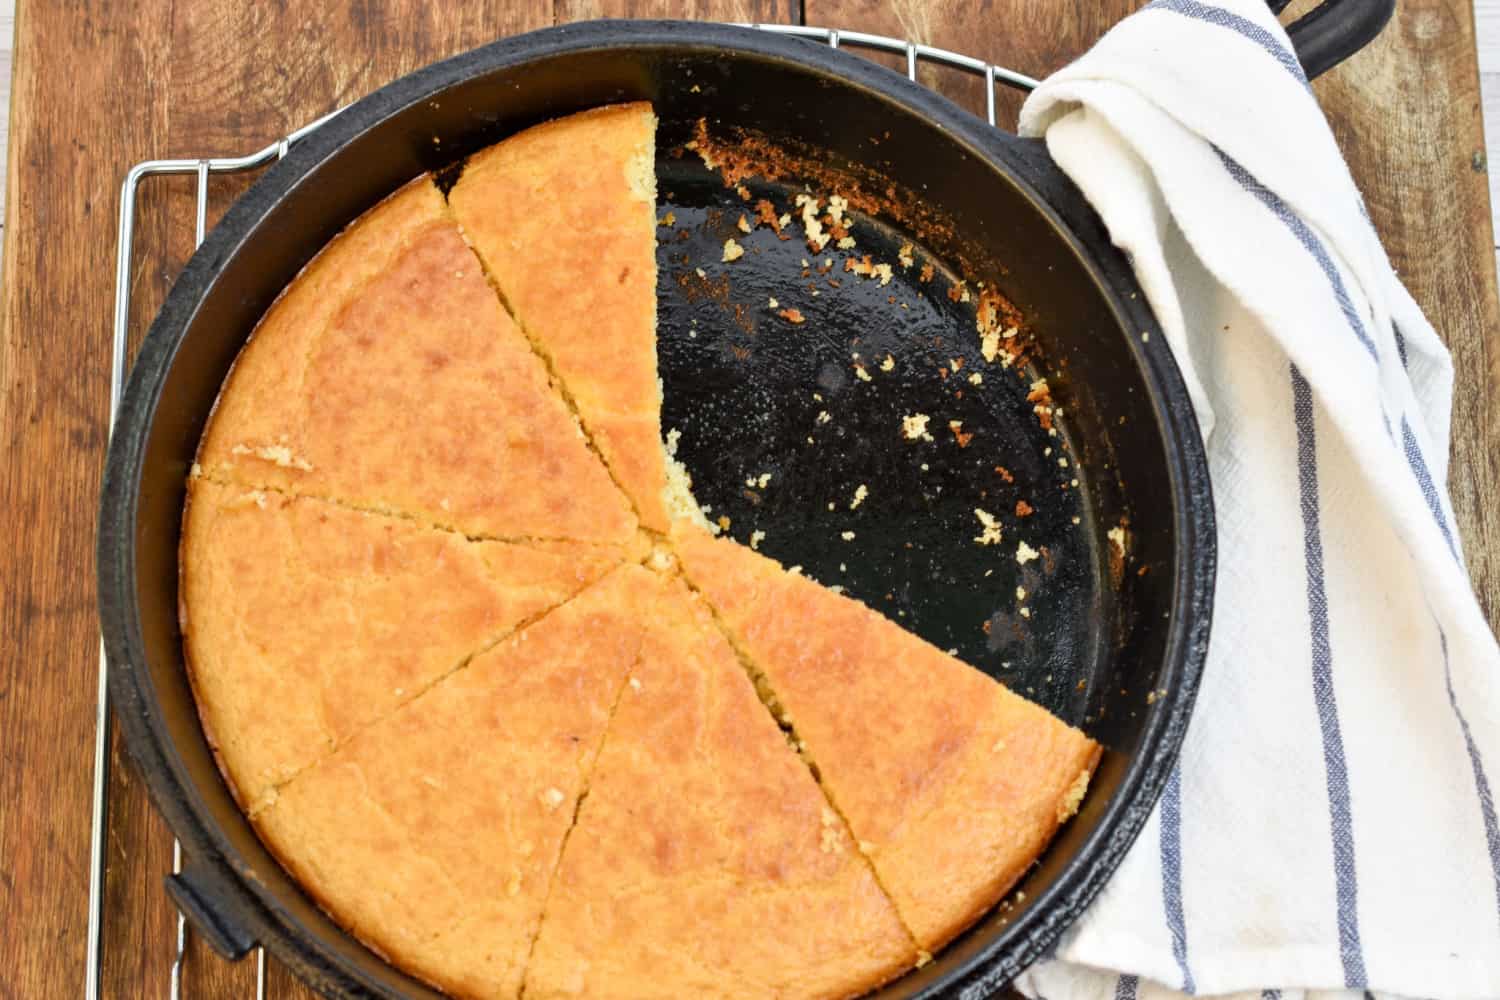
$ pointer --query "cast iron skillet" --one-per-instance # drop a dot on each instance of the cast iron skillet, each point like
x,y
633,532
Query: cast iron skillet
x,y
1114,648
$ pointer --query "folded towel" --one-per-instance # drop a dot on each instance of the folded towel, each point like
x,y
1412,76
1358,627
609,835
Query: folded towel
x,y
1331,825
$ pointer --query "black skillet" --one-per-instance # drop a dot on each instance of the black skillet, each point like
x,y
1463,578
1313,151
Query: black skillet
x,y
1114,646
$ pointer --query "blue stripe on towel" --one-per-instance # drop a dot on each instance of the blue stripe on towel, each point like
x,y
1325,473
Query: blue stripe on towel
x,y
1310,243
1481,780
1126,986
1171,872
1424,480
1270,995
1240,25
1341,818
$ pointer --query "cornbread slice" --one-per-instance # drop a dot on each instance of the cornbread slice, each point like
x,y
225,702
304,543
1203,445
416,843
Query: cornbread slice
x,y
564,217
705,861
953,784
304,621
388,376
433,835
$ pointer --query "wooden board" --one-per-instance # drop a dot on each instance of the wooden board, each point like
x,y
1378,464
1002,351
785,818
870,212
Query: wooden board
x,y
102,84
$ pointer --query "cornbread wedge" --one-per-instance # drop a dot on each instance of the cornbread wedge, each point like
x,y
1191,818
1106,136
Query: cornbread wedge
x,y
303,621
389,377
953,784
564,217
705,861
433,835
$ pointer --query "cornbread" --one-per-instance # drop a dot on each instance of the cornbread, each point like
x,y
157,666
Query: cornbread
x,y
955,783
433,834
389,377
564,217
482,679
303,621
705,861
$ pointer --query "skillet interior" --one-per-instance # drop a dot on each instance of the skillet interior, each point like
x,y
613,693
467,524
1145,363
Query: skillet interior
x,y
1135,642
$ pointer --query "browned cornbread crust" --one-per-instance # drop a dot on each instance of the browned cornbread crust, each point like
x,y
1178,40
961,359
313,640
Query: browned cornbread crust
x,y
433,835
705,861
304,621
388,376
953,784
563,215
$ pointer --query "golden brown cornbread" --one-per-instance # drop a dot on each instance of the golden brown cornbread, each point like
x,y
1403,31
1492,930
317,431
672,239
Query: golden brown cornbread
x,y
388,376
304,622
564,217
705,861
953,783
433,835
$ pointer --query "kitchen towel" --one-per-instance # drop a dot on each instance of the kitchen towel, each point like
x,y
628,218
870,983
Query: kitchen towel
x,y
1330,828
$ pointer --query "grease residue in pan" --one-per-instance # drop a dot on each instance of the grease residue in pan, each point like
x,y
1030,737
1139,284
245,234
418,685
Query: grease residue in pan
x,y
794,432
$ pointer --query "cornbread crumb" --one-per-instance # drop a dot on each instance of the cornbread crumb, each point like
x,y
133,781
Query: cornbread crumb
x,y
678,492
743,223
989,345
816,238
990,533
904,255
1025,553
756,537
847,536
975,378
792,315
832,839
732,251
889,364
860,492
1025,612
1071,799
196,470
957,427
824,416
724,522
1024,509
864,376
1020,593
773,304
276,454
552,798
923,958
914,427
846,243
700,272
1116,536
670,219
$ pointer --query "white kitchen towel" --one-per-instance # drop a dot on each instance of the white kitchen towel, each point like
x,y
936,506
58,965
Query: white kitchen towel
x,y
1331,827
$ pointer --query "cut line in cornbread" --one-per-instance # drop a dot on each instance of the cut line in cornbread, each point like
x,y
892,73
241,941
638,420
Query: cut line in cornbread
x,y
433,835
304,622
705,860
563,215
952,784
389,376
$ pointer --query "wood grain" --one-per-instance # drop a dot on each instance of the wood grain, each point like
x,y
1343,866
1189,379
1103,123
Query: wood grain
x,y
101,84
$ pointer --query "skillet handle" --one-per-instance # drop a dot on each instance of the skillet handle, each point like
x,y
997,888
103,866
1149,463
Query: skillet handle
x,y
1334,30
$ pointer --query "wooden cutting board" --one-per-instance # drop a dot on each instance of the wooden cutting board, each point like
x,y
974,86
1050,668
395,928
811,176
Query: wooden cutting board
x,y
101,85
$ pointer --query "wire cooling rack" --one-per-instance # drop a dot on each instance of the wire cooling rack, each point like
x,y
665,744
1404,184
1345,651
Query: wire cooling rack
x,y
204,169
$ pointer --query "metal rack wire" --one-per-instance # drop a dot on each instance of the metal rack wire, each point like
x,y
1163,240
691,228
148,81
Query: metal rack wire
x,y
203,170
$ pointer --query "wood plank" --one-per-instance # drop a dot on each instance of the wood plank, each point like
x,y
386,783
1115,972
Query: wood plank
x,y
54,371
1406,112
